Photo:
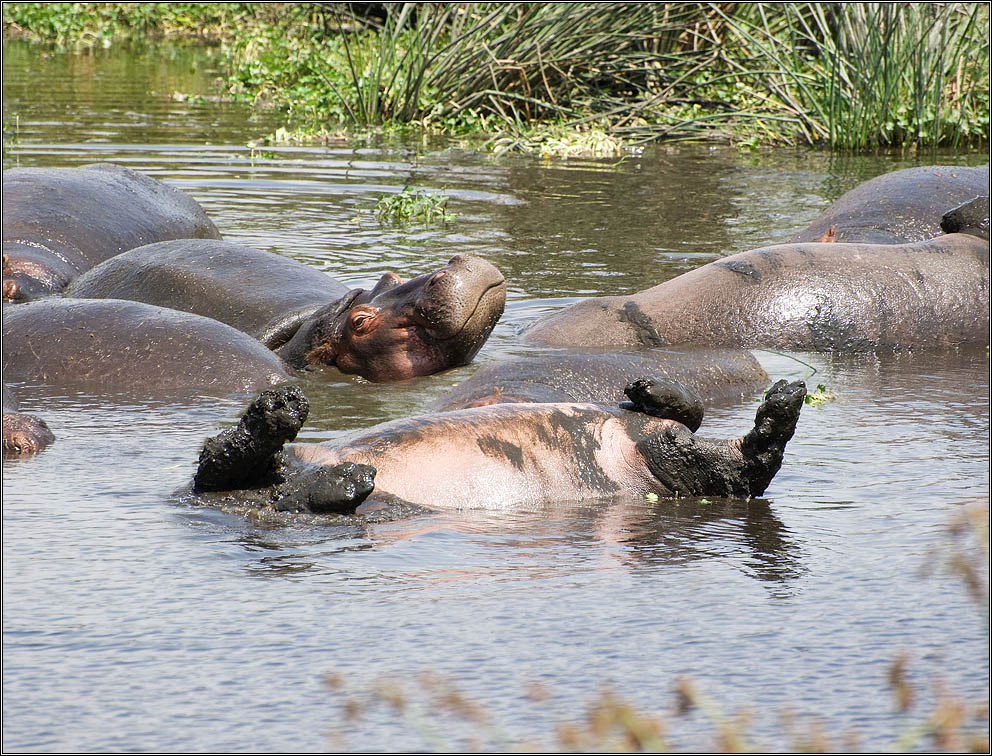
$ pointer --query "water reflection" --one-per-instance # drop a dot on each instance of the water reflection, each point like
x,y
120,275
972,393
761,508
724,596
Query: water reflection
x,y
526,545
747,532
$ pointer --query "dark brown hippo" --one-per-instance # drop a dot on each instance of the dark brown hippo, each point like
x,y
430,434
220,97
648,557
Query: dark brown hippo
x,y
22,434
395,331
590,376
110,346
899,207
496,456
969,218
59,222
802,297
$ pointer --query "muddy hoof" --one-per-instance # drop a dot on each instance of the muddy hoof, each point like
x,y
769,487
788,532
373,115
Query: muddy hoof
x,y
774,423
670,400
329,490
246,454
775,420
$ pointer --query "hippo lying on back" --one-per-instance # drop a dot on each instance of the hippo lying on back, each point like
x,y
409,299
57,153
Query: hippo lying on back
x,y
490,457
59,222
899,207
803,297
395,331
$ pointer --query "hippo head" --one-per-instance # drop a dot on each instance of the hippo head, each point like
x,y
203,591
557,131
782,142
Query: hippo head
x,y
28,275
401,330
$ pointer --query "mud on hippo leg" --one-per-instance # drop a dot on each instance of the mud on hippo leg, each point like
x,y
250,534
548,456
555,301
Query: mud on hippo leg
x,y
325,490
694,466
248,454
671,400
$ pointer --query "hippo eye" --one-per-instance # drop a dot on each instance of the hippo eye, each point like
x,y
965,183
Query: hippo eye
x,y
361,322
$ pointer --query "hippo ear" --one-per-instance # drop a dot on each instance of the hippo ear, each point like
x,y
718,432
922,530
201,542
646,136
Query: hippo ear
x,y
386,282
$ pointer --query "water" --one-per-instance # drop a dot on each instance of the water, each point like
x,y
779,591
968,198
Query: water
x,y
133,623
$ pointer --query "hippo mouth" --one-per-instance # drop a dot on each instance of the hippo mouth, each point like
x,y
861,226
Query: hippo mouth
x,y
432,334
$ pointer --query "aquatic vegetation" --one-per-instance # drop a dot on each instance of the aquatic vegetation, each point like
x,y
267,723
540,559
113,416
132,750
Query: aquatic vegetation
x,y
821,395
413,204
558,142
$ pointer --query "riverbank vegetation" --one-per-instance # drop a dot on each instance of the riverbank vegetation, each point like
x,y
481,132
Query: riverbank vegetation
x,y
550,78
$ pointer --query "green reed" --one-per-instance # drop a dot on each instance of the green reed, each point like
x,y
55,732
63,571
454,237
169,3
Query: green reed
x,y
862,75
846,75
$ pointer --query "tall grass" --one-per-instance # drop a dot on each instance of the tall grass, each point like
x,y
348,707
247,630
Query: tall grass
x,y
860,75
849,75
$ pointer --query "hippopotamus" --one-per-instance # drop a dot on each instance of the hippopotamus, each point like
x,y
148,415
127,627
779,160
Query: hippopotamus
x,y
591,376
899,207
59,222
804,297
22,433
497,456
395,331
113,346
968,218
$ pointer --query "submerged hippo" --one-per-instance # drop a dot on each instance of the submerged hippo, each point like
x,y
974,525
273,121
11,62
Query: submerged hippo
x,y
490,457
589,376
898,207
22,434
59,222
111,346
395,331
802,297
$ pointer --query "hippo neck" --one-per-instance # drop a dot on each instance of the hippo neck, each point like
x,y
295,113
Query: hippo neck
x,y
306,329
284,327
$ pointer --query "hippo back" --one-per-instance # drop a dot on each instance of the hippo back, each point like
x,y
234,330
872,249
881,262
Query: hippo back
x,y
77,217
589,376
899,207
257,292
111,346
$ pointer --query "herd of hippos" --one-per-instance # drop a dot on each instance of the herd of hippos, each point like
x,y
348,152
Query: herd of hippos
x,y
115,282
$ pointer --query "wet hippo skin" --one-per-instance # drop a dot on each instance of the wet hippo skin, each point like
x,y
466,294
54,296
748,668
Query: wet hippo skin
x,y
502,455
395,331
802,297
60,222
898,207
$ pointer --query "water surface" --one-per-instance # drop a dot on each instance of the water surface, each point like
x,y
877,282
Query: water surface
x,y
131,622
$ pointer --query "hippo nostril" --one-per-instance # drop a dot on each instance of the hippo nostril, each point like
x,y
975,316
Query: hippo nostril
x,y
436,277
457,259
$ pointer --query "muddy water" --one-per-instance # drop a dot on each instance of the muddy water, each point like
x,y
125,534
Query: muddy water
x,y
133,623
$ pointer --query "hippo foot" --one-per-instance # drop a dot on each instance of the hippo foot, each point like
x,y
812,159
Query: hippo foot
x,y
774,423
666,399
688,465
327,490
248,454
24,434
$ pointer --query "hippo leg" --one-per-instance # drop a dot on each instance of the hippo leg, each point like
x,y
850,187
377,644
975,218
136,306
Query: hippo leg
x,y
667,399
247,454
689,465
326,490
